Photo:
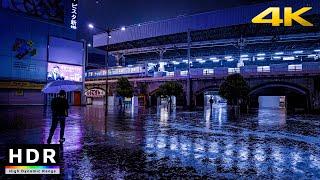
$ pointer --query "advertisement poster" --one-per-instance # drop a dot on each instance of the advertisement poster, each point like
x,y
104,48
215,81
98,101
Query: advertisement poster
x,y
64,72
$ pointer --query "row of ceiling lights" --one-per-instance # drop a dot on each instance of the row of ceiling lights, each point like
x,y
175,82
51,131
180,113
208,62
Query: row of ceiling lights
x,y
244,57
259,56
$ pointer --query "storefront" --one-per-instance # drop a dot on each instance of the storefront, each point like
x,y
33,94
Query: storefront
x,y
21,93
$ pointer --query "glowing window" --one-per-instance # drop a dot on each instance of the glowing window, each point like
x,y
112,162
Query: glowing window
x,y
170,73
233,70
295,67
183,73
208,71
263,68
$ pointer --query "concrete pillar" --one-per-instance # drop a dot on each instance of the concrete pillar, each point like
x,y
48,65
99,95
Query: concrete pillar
x,y
118,57
315,101
149,100
161,52
135,101
161,66
241,45
146,68
188,93
123,60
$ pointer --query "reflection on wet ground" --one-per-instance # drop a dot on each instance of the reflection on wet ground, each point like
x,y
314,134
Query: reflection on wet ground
x,y
144,143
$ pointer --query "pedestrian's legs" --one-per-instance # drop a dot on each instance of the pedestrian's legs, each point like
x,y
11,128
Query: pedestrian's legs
x,y
52,129
62,125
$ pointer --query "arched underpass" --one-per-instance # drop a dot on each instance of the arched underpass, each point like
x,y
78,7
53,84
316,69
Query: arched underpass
x,y
202,96
296,97
180,101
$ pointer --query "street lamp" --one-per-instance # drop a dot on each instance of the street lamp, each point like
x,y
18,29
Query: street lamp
x,y
108,31
91,26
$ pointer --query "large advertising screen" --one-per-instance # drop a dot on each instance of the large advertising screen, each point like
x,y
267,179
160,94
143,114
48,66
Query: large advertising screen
x,y
64,72
65,51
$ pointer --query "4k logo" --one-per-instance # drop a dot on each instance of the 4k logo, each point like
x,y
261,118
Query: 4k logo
x,y
288,17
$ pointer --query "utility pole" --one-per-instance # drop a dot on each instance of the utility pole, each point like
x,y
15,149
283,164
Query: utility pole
x,y
84,64
107,67
189,95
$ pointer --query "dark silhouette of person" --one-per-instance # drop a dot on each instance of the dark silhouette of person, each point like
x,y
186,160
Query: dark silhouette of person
x,y
169,103
120,102
211,102
59,107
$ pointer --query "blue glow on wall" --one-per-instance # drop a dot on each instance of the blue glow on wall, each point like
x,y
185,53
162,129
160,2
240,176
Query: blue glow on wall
x,y
30,67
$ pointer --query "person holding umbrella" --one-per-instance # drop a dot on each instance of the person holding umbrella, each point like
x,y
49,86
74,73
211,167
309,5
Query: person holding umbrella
x,y
59,107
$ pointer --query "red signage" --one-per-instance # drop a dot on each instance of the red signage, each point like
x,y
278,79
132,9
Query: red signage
x,y
95,93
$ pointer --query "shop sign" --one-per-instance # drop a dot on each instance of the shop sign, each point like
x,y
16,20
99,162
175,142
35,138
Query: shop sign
x,y
74,14
95,92
20,85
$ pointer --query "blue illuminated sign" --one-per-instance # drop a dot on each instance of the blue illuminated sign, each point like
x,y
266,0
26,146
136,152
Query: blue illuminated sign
x,y
74,14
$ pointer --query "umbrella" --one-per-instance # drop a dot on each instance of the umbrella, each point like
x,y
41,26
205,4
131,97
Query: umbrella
x,y
56,86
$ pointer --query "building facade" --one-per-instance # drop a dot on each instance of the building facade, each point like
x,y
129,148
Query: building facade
x,y
35,42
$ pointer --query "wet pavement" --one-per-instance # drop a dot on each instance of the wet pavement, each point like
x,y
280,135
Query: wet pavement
x,y
154,144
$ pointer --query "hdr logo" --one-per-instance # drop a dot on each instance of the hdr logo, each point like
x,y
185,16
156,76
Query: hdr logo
x,y
33,159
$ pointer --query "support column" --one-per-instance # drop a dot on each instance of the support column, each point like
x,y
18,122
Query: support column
x,y
189,87
146,68
123,60
241,44
161,52
119,59
316,103
315,99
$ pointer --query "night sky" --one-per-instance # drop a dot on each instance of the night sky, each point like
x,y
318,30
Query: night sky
x,y
117,13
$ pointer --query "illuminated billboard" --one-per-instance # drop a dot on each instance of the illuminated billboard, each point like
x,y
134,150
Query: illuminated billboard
x,y
64,72
65,51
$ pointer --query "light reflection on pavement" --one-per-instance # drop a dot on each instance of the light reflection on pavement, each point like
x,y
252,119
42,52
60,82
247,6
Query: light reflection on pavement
x,y
144,143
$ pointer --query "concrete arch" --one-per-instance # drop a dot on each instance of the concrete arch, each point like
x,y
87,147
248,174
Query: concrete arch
x,y
300,99
153,88
208,88
296,88
153,92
